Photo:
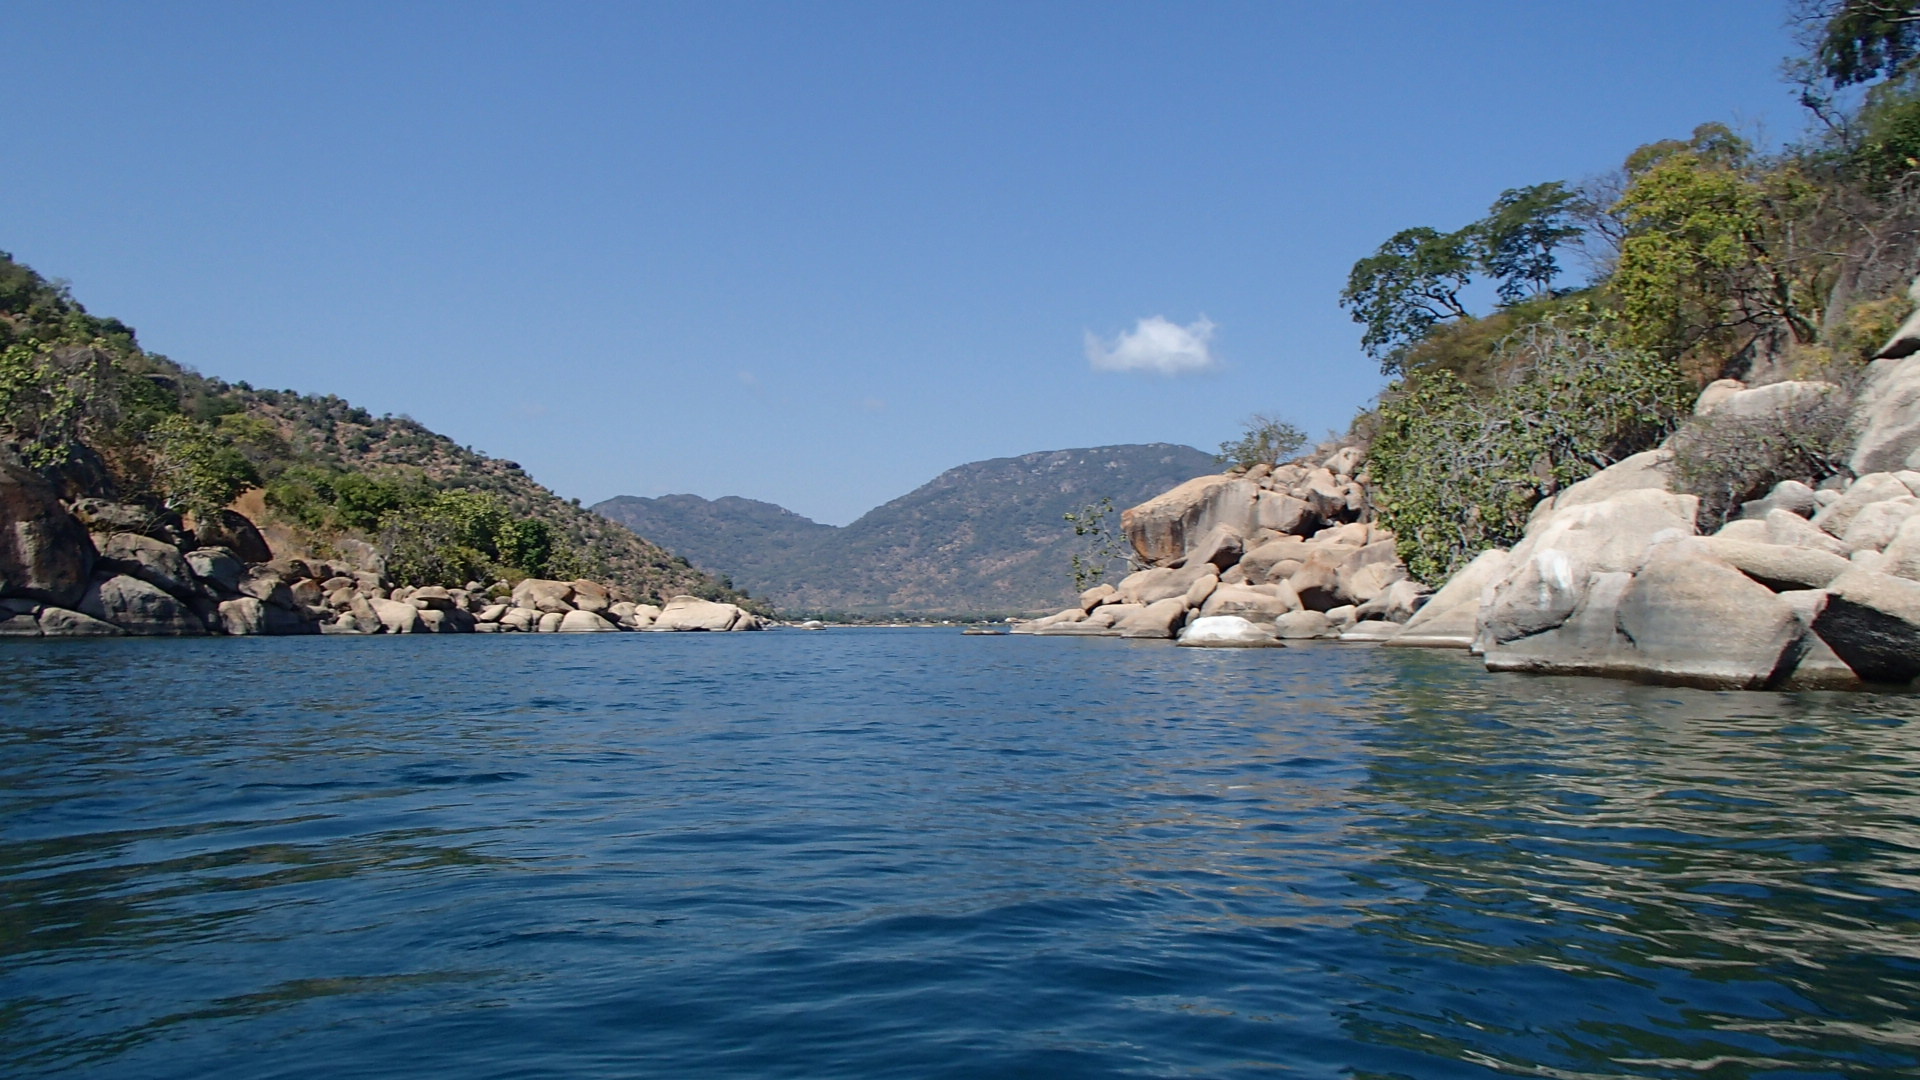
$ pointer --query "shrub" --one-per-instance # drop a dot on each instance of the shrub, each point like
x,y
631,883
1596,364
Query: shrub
x,y
1266,441
196,470
1458,468
526,545
467,535
50,397
1727,459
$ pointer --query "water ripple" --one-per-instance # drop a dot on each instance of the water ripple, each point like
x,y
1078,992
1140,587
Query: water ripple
x,y
912,854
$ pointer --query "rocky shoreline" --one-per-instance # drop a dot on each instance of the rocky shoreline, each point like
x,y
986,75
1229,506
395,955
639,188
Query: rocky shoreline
x,y
1813,586
1270,554
102,569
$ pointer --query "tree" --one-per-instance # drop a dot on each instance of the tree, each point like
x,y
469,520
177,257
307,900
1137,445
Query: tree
x,y
1266,441
463,534
528,545
1104,547
1412,283
1858,41
1519,235
1717,254
1406,287
50,399
194,469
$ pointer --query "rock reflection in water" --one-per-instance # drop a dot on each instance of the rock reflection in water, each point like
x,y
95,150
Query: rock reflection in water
x,y
1627,877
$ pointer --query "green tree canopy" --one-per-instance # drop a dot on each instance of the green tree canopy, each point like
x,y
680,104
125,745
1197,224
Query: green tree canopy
x,y
1715,253
1406,287
1518,237
1858,41
1411,285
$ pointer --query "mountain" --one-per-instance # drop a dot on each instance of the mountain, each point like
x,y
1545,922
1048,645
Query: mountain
x,y
744,539
984,538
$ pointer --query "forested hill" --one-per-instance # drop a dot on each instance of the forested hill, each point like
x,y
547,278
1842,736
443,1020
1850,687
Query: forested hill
x,y
984,538
82,402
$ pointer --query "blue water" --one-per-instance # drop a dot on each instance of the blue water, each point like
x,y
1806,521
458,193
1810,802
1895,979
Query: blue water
x,y
884,853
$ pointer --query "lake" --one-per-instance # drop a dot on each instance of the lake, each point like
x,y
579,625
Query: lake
x,y
909,853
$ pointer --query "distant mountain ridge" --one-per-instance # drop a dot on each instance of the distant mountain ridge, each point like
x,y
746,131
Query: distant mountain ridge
x,y
985,537
750,539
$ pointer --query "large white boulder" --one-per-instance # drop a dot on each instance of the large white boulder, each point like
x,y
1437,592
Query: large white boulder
x,y
591,596
1220,547
1159,583
1873,528
1261,604
1305,624
1551,567
1227,632
397,616
1773,399
1887,415
582,621
1862,493
1694,619
1792,530
60,622
153,561
1259,564
45,552
1586,642
217,566
243,616
1685,617
1650,470
693,613
544,595
1282,512
1776,566
1451,619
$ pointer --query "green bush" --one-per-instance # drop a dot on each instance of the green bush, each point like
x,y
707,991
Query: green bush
x,y
1888,148
526,545
465,535
49,398
194,469
319,496
1457,469
1265,441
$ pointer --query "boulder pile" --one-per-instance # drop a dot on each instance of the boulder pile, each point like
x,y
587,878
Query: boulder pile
x,y
99,568
1290,550
1807,587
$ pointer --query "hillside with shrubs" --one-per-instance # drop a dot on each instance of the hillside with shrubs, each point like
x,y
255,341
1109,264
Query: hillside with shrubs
x,y
1705,257
84,405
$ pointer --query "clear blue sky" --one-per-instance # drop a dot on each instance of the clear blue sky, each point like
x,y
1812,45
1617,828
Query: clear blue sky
x,y
813,253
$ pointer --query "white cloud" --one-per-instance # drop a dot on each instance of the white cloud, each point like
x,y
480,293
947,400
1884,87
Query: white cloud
x,y
1154,344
